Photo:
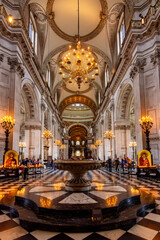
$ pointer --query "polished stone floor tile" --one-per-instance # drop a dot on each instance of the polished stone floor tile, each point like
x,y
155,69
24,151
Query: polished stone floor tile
x,y
153,217
61,236
78,198
143,232
51,195
13,233
7,225
78,236
157,237
129,236
4,218
43,235
26,237
115,188
150,224
95,236
113,234
104,195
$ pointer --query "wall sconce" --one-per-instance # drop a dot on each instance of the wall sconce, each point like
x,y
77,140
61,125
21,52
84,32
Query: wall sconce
x,y
142,19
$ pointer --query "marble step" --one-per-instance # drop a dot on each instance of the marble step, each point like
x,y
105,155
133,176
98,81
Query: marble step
x,y
127,218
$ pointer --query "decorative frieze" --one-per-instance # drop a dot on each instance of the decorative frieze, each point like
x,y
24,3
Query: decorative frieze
x,y
13,62
1,57
138,66
155,58
122,127
16,66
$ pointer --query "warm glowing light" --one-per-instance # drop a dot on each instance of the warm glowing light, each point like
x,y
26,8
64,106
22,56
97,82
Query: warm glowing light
x,y
47,134
22,145
45,202
77,64
57,143
1,196
109,135
7,122
134,190
93,146
146,122
21,191
142,21
98,143
63,146
111,201
57,186
10,18
99,186
132,144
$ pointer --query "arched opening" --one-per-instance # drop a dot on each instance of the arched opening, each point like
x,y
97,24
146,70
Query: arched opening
x,y
30,125
78,142
125,121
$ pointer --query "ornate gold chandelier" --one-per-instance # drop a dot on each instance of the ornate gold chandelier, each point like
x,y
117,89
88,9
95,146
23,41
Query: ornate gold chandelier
x,y
78,64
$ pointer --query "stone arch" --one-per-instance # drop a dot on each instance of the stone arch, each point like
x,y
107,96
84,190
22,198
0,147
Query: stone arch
x,y
124,101
77,99
46,119
108,121
80,124
29,97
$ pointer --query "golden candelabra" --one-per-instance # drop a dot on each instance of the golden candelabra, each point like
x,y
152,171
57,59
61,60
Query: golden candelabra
x,y
109,135
98,143
146,123
47,135
22,145
57,143
7,123
132,145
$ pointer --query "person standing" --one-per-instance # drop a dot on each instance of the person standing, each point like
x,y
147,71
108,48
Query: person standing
x,y
110,164
117,164
122,164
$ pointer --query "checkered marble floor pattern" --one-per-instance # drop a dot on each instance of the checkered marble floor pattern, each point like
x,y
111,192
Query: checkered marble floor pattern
x,y
147,227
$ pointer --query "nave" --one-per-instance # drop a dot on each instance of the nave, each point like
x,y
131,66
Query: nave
x,y
147,227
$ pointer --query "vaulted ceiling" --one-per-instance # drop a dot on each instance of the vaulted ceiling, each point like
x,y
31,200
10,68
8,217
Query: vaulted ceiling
x,y
56,22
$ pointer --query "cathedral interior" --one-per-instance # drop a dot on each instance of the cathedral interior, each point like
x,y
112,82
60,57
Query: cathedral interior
x,y
80,119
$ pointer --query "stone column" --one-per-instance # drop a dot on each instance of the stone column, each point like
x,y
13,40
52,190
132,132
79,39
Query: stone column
x,y
112,128
16,74
137,75
42,128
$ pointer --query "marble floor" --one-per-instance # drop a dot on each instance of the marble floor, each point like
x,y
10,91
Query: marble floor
x,y
147,227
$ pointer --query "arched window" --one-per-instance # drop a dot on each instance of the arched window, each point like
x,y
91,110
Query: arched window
x,y
33,32
120,33
106,77
48,76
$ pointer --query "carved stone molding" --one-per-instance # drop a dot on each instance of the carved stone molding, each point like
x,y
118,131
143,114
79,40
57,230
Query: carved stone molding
x,y
155,58
16,66
34,127
20,70
43,107
122,127
1,57
138,66
91,35
13,62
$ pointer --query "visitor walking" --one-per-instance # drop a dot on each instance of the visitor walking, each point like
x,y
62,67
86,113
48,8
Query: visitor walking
x,y
110,164
117,164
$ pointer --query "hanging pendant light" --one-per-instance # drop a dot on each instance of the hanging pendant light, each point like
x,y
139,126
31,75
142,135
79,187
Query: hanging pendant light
x,y
78,64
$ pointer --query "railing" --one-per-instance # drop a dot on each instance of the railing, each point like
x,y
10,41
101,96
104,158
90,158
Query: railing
x,y
16,23
137,24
